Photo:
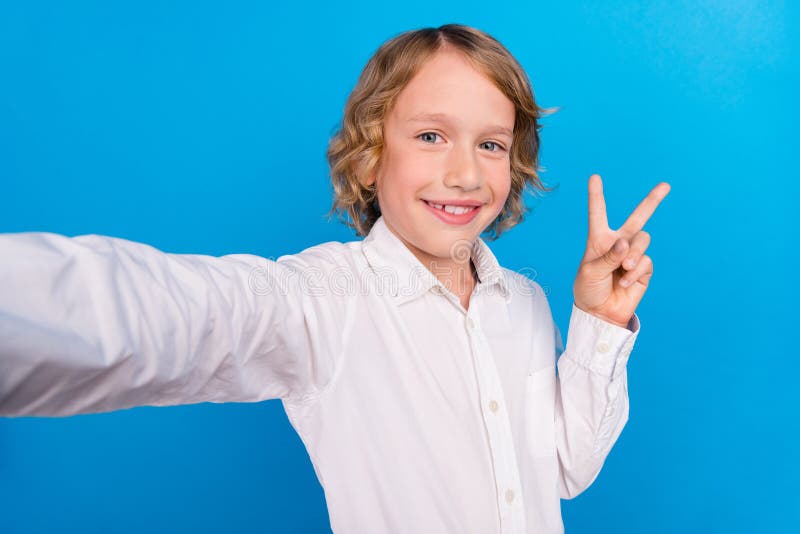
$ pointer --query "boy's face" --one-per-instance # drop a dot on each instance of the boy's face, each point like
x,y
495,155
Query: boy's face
x,y
460,156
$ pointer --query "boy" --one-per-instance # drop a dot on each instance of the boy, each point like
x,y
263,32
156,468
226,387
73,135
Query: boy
x,y
419,374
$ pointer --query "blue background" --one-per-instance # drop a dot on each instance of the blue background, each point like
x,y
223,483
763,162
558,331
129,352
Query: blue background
x,y
199,128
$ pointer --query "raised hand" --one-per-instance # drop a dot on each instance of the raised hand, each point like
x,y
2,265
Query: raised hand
x,y
615,272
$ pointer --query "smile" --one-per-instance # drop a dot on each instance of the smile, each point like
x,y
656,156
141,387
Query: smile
x,y
449,208
452,213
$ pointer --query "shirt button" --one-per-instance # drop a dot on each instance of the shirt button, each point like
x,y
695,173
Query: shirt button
x,y
509,495
493,405
470,323
603,347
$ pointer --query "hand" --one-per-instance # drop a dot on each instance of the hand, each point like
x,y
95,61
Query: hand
x,y
614,272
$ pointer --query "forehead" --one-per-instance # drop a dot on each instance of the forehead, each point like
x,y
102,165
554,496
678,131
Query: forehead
x,y
448,85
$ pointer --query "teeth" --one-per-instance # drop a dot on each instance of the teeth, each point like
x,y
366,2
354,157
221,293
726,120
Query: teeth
x,y
456,210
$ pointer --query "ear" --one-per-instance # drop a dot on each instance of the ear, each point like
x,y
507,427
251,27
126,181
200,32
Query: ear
x,y
369,180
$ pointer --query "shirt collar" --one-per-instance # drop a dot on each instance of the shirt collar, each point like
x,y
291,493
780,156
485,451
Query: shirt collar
x,y
400,273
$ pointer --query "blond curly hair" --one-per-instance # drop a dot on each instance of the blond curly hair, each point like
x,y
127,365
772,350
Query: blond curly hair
x,y
354,151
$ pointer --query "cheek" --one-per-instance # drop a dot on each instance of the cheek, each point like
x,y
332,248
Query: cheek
x,y
402,176
406,173
502,188
414,168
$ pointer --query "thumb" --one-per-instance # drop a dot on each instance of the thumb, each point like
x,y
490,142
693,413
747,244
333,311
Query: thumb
x,y
612,259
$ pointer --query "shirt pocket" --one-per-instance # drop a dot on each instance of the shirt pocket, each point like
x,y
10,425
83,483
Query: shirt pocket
x,y
540,392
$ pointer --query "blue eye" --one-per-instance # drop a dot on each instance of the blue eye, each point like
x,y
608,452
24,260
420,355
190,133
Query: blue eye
x,y
427,133
499,147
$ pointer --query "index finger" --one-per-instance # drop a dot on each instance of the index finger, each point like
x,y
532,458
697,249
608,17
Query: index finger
x,y
645,209
598,221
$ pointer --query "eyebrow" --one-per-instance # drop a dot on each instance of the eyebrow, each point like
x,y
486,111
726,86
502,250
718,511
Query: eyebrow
x,y
442,117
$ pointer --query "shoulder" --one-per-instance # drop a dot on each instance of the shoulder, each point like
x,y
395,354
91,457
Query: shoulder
x,y
326,255
331,268
520,283
525,295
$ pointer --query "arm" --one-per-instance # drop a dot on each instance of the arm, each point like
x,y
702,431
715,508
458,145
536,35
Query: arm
x,y
592,396
95,323
592,399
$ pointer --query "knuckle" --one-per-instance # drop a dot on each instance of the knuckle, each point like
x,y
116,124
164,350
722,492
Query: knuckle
x,y
624,245
585,269
640,241
610,258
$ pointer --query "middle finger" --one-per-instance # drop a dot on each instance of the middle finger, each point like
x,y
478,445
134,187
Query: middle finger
x,y
645,209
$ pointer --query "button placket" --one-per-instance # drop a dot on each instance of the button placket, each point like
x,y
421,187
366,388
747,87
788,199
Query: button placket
x,y
499,431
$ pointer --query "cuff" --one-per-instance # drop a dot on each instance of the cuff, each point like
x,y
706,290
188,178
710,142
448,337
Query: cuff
x,y
598,345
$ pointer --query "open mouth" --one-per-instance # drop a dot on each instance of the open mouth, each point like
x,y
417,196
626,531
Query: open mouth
x,y
455,210
452,214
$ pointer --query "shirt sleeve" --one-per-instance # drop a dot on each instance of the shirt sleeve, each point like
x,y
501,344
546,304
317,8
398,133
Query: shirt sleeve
x,y
95,323
592,396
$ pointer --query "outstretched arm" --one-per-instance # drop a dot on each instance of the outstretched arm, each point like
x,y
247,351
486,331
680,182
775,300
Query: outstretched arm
x,y
95,323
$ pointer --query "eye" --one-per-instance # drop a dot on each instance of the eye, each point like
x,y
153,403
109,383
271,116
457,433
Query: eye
x,y
500,147
427,134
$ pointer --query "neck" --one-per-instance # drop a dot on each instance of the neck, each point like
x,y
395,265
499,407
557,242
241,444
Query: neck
x,y
459,277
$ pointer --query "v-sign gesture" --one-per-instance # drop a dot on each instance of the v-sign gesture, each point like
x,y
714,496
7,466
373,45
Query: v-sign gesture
x,y
615,271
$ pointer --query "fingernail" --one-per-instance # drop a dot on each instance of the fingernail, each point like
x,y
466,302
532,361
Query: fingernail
x,y
624,282
629,263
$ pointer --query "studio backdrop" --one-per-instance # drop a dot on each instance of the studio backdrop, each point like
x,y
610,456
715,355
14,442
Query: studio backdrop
x,y
198,127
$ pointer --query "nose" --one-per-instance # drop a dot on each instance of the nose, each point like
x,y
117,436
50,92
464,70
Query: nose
x,y
463,170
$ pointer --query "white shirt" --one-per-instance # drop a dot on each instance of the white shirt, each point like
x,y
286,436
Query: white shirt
x,y
419,416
